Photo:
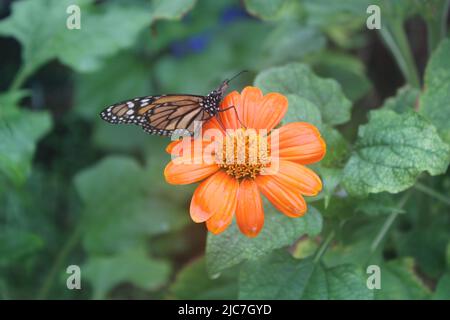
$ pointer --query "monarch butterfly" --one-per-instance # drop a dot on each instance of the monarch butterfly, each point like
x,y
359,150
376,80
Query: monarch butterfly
x,y
169,113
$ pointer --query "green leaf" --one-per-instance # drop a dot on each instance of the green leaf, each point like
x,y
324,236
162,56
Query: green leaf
x,y
404,100
298,79
426,243
121,77
192,283
170,9
130,224
291,41
340,20
119,212
11,99
133,266
434,102
101,34
20,130
301,109
399,280
346,69
279,276
101,182
231,247
338,148
391,151
442,291
378,204
267,10
16,244
323,12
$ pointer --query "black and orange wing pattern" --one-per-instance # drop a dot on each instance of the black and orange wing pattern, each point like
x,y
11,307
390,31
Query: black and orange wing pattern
x,y
161,115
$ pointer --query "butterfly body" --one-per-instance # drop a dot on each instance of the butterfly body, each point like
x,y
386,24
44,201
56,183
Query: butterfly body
x,y
166,114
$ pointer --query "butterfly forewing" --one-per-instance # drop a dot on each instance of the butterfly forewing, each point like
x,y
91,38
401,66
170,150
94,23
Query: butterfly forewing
x,y
160,115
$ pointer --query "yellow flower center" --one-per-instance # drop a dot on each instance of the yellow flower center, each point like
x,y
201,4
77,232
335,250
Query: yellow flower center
x,y
244,153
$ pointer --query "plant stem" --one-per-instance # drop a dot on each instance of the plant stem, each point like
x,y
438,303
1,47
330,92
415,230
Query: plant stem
x,y
436,25
58,262
323,247
433,193
20,78
387,224
395,38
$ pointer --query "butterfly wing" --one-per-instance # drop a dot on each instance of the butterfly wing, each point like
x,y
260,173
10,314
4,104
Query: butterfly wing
x,y
160,115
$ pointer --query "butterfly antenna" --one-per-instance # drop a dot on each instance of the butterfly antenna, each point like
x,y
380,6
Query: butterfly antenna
x,y
236,75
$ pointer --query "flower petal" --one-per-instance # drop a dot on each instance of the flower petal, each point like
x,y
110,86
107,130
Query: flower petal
x,y
182,173
229,117
251,98
249,209
215,198
283,198
300,142
298,178
198,148
271,109
171,146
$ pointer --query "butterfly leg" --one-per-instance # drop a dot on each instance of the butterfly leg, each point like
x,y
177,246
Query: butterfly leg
x,y
237,116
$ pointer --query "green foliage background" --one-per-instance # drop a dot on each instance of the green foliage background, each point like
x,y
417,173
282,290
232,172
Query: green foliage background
x,y
75,190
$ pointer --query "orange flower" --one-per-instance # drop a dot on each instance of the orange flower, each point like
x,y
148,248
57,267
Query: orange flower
x,y
233,187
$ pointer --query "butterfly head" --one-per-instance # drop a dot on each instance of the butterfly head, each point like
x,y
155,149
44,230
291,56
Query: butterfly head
x,y
213,99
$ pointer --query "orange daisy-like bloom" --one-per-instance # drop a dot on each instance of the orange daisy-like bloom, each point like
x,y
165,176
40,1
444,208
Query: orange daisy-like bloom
x,y
231,188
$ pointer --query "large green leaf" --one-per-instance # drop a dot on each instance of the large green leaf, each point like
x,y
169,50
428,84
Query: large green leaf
x,y
399,280
231,247
20,130
391,151
101,34
119,211
404,100
301,109
192,283
435,101
279,276
298,79
133,266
